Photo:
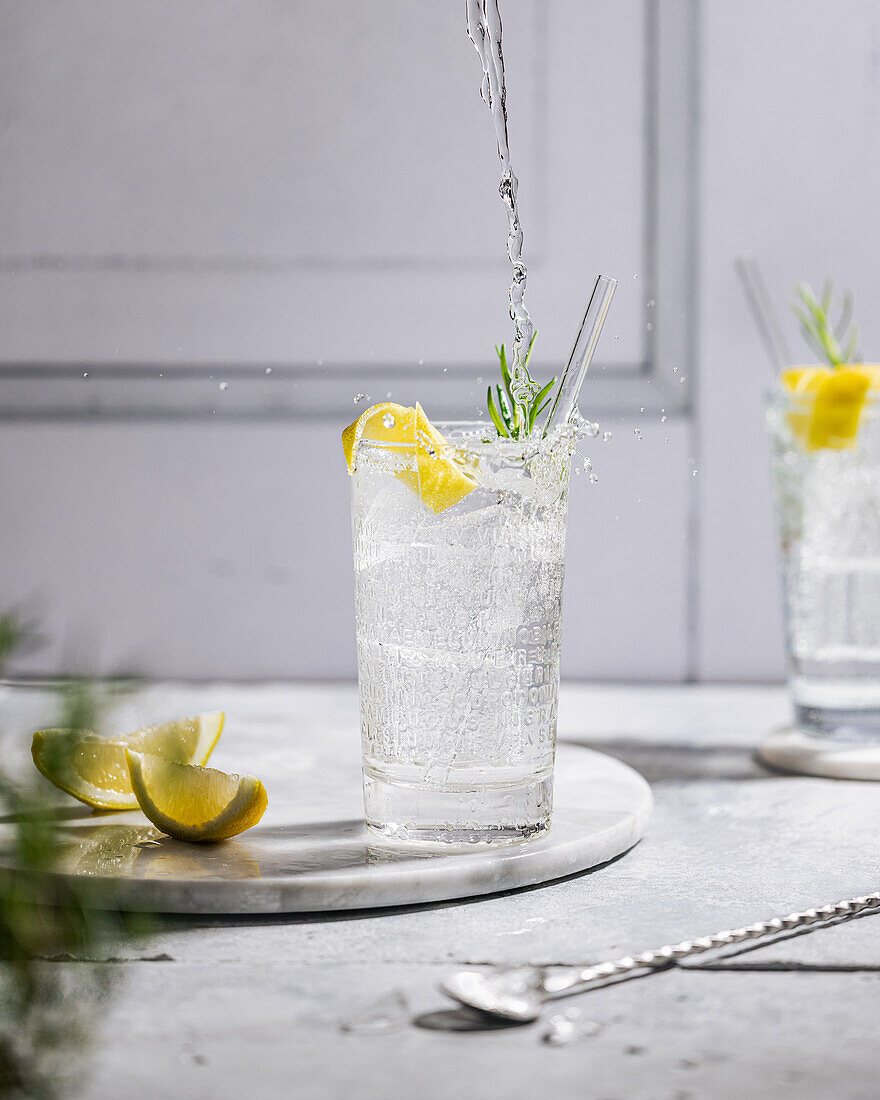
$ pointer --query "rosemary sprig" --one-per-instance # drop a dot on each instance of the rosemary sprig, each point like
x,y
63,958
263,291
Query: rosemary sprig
x,y
514,419
836,343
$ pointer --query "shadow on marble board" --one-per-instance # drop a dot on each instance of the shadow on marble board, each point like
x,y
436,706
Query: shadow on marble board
x,y
674,762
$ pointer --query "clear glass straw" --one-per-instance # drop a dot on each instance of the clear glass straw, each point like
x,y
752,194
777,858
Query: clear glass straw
x,y
582,352
763,314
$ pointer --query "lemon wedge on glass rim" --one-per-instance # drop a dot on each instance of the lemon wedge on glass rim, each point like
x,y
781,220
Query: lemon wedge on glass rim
x,y
828,402
428,466
192,803
94,769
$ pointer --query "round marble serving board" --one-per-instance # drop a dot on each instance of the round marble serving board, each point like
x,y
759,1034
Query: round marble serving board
x,y
311,850
791,750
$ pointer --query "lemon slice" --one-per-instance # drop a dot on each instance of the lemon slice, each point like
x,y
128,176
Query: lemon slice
x,y
94,770
831,406
192,803
429,468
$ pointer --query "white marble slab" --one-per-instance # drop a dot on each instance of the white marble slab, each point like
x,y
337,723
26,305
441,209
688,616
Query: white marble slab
x,y
311,851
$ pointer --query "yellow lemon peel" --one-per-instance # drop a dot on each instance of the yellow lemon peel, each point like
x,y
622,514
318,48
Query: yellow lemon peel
x,y
429,468
828,403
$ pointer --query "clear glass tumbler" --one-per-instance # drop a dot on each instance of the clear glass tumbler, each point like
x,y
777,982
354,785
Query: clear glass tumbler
x,y
458,633
827,501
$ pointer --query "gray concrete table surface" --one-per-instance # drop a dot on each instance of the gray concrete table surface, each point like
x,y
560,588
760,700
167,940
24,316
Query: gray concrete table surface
x,y
217,1007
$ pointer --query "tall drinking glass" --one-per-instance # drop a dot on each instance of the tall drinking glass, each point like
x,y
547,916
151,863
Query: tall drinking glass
x,y
458,631
827,497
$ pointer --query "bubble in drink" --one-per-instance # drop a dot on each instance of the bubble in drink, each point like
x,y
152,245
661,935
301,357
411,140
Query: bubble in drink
x,y
607,437
388,420
224,386
358,397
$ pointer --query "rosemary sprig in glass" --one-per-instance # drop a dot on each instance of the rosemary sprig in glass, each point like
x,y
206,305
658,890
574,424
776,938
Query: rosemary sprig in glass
x,y
514,419
838,344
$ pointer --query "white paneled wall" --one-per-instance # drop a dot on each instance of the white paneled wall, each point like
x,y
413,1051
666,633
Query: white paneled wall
x,y
203,192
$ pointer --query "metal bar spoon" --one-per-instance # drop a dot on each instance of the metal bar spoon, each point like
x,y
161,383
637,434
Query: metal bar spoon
x,y
519,995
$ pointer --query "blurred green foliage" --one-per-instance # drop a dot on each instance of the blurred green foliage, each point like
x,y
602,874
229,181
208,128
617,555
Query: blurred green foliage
x,y
48,1010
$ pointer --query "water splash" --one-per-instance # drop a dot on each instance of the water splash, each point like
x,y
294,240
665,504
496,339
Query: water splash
x,y
484,30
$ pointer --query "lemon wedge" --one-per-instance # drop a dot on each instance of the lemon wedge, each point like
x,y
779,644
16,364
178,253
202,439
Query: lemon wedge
x,y
195,804
94,769
429,468
831,402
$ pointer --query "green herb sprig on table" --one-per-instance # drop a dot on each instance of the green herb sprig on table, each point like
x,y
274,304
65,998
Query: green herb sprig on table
x,y
514,419
836,343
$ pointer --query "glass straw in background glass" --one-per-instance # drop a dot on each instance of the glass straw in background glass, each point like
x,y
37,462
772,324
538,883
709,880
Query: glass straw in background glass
x,y
763,313
582,352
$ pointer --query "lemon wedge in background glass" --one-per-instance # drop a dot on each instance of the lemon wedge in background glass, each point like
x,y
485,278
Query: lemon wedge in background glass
x,y
94,769
192,803
828,402
431,472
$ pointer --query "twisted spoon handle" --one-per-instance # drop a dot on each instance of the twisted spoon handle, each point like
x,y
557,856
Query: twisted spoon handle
x,y
576,979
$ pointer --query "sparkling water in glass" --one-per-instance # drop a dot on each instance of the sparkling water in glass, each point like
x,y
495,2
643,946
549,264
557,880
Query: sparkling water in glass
x,y
828,519
458,623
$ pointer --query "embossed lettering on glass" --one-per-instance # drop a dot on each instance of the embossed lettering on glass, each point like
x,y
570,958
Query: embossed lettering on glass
x,y
458,610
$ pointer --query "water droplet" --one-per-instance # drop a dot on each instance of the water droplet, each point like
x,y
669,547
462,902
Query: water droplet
x,y
694,473
388,394
675,370
642,409
480,379
578,470
85,374
445,369
268,370
567,1027
588,465
388,420
617,337
224,385
607,437
683,378
320,362
635,276
650,303
663,419
649,327
637,433
665,438
663,410
594,478
358,397
387,1014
